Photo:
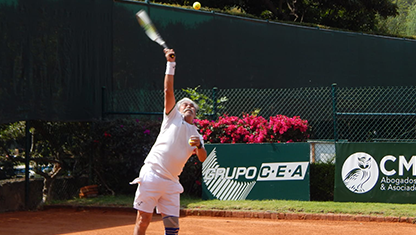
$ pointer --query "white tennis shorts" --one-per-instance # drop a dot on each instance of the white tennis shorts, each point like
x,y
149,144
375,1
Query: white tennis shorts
x,y
155,191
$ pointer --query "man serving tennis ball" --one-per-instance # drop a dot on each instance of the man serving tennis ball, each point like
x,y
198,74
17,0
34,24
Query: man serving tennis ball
x,y
159,177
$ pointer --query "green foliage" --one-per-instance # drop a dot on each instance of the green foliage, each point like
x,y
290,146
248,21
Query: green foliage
x,y
360,15
11,140
411,21
110,151
12,137
191,177
206,104
119,149
403,24
322,177
59,144
12,131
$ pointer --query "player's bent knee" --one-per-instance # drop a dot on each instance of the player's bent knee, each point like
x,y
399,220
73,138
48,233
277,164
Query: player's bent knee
x,y
171,225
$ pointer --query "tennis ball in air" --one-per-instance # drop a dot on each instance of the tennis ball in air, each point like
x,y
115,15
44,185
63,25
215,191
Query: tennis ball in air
x,y
197,5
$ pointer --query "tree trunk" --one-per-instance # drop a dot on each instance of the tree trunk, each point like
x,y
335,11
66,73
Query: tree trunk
x,y
47,184
46,191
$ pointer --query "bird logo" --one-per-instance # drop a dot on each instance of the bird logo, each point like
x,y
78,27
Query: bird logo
x,y
360,172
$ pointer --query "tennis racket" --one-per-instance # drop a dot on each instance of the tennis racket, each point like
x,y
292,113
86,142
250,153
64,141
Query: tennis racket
x,y
148,27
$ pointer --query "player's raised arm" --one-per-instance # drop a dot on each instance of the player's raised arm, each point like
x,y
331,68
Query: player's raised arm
x,y
168,85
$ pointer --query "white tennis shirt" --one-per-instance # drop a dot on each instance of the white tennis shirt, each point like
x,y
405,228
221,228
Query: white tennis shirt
x,y
171,150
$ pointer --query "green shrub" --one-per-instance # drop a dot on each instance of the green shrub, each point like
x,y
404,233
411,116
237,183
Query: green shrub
x,y
191,177
207,108
119,149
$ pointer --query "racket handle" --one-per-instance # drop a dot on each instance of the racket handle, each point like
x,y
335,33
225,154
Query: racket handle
x,y
166,47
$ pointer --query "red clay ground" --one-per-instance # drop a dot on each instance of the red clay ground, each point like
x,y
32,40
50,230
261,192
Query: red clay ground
x,y
113,222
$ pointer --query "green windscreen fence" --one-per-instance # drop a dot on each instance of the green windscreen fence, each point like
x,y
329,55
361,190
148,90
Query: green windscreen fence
x,y
232,52
56,55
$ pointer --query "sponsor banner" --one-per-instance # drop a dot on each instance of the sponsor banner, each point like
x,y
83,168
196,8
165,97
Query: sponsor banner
x,y
375,172
256,171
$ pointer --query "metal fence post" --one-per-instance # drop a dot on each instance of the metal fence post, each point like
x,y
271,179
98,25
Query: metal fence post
x,y
91,157
214,101
334,110
27,164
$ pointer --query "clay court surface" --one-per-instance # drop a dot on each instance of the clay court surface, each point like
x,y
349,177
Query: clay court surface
x,y
106,222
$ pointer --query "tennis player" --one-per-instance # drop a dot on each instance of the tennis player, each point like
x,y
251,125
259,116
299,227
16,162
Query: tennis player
x,y
159,177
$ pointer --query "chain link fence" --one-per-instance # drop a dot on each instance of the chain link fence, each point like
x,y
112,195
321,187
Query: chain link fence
x,y
353,114
345,114
312,104
375,114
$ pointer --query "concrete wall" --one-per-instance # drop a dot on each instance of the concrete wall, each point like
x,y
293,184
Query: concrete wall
x,y
12,194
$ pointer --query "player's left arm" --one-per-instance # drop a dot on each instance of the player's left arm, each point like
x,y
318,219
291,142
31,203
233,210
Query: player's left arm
x,y
200,149
201,152
197,141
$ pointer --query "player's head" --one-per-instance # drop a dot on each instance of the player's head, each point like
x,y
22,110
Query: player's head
x,y
186,106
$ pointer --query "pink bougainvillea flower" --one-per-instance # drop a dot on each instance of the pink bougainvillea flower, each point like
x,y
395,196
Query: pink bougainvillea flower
x,y
253,129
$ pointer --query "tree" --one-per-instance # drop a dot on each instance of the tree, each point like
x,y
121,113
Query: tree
x,y
207,110
411,21
12,138
404,23
61,145
356,15
52,144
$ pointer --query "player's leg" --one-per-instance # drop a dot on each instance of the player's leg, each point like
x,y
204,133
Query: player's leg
x,y
168,206
171,224
142,222
145,201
